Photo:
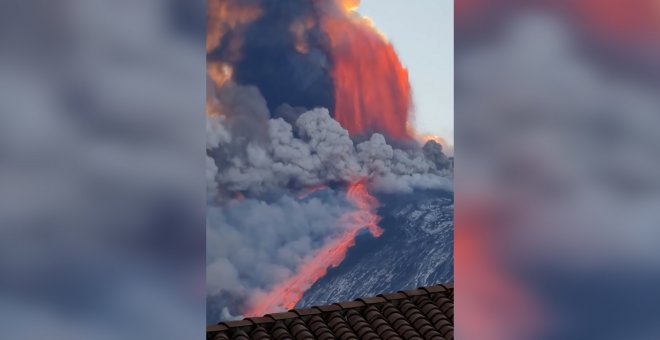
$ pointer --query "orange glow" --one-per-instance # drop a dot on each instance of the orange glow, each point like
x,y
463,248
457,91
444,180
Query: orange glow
x,y
350,5
219,72
425,138
225,15
372,92
286,295
308,191
299,30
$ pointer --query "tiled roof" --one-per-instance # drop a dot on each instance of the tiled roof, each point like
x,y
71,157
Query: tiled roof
x,y
420,314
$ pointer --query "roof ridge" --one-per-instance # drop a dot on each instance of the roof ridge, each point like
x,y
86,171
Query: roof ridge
x,y
305,313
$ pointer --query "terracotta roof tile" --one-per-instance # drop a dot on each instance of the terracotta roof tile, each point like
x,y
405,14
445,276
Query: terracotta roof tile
x,y
240,335
237,323
280,332
299,330
217,328
420,314
329,308
350,304
306,311
221,336
393,296
282,316
435,289
261,320
414,292
372,300
320,329
260,333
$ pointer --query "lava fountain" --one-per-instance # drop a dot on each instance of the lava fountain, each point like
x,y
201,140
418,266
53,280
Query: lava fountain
x,y
286,295
372,91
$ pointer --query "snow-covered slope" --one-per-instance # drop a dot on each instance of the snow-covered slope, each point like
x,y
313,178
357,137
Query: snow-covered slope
x,y
417,249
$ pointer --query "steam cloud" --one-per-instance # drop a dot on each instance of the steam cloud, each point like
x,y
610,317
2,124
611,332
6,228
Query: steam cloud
x,y
258,38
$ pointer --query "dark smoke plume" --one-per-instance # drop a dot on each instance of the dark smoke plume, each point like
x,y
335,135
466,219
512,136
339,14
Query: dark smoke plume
x,y
282,53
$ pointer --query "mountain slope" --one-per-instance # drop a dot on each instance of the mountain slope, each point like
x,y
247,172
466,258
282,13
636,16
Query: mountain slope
x,y
417,249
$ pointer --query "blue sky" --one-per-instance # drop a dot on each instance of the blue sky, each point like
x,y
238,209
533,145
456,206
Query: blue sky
x,y
422,32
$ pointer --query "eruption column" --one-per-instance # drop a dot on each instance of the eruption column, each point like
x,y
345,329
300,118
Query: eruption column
x,y
372,92
287,294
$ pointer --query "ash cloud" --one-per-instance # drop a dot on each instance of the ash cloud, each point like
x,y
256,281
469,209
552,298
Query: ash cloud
x,y
270,135
253,244
433,152
318,150
266,52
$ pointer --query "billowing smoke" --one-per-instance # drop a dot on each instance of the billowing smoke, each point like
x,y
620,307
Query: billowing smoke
x,y
272,136
253,244
311,53
257,242
318,150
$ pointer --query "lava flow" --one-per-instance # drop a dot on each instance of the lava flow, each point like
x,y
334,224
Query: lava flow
x,y
286,295
308,191
372,92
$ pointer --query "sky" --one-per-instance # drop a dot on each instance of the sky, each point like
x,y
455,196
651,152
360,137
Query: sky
x,y
422,32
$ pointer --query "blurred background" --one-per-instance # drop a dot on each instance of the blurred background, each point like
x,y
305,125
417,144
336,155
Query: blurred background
x,y
102,169
558,156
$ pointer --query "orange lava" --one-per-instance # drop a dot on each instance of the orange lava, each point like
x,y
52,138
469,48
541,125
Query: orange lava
x,y
372,92
308,191
286,295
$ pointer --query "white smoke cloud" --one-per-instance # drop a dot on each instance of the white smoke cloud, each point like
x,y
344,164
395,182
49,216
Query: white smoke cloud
x,y
216,132
319,151
211,173
236,116
396,170
253,244
331,143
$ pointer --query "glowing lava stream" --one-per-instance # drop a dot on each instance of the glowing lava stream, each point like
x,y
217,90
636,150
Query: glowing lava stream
x,y
311,190
287,294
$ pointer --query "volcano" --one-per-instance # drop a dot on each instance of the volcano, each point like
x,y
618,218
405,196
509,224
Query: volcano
x,y
314,175
416,249
307,54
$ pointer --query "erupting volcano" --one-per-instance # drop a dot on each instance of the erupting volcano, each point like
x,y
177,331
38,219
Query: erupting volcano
x,y
286,294
307,107
372,92
322,54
